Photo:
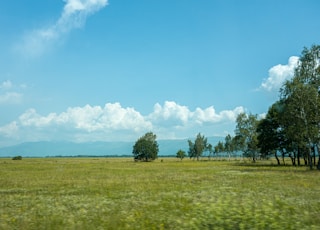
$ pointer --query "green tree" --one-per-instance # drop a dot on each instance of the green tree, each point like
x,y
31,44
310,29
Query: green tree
x,y
197,147
17,158
302,104
228,145
210,150
302,119
181,154
271,137
219,148
246,135
146,148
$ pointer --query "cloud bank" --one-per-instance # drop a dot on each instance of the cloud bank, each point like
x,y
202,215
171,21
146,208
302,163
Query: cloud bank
x,y
114,122
279,74
74,15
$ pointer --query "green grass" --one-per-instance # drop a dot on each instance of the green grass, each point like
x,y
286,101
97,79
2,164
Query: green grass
x,y
102,193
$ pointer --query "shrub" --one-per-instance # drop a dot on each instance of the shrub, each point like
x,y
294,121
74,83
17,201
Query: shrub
x,y
17,158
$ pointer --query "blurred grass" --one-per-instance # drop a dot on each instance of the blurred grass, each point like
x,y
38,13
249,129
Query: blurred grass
x,y
104,193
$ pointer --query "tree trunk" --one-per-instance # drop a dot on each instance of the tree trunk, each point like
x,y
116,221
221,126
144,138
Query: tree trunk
x,y
305,159
275,154
314,155
298,157
318,166
254,158
282,154
293,159
310,158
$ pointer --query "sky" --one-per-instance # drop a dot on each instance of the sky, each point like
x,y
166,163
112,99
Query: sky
x,y
112,70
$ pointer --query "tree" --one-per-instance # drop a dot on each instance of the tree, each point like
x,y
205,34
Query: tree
x,y
246,134
302,103
219,148
197,147
146,148
228,145
210,150
181,154
17,158
271,137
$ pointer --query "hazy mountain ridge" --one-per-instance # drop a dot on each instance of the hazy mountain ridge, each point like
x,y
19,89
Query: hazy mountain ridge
x,y
46,148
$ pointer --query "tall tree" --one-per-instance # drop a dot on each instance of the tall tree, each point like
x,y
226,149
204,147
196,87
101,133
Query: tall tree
x,y
302,103
197,147
270,131
228,145
246,134
219,147
146,147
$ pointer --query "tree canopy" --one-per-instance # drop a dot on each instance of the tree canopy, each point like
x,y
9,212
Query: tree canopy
x,y
180,154
246,134
197,147
146,148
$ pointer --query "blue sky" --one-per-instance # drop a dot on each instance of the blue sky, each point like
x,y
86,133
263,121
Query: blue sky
x,y
89,70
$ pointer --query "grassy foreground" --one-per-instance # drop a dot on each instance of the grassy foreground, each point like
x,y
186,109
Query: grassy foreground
x,y
99,193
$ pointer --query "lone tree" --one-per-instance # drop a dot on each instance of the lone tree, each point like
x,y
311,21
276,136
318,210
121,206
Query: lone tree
x,y
181,154
146,148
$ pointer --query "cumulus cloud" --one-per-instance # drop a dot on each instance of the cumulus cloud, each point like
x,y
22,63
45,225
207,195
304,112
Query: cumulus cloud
x,y
182,115
10,130
171,113
114,122
89,118
279,74
74,15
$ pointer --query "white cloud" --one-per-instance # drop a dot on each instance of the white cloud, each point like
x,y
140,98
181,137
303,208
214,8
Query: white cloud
x,y
9,130
171,112
114,122
89,118
8,94
279,74
10,98
74,15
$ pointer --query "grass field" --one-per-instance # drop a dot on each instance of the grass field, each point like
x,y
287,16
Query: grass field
x,y
102,193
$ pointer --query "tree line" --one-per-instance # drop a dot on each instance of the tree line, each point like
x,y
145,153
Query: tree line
x,y
290,128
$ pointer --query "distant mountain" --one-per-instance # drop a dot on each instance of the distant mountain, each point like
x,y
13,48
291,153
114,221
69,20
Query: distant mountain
x,y
44,148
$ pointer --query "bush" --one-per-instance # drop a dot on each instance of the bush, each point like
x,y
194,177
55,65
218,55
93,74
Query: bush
x,y
17,158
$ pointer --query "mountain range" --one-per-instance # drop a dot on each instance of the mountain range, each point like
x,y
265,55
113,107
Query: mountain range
x,y
63,149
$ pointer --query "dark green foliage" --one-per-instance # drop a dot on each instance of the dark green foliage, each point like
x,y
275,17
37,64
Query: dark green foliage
x,y
271,136
146,148
17,158
197,147
181,154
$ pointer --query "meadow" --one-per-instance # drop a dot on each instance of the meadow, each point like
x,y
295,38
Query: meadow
x,y
118,193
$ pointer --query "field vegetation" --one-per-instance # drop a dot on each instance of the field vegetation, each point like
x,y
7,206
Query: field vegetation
x,y
169,193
